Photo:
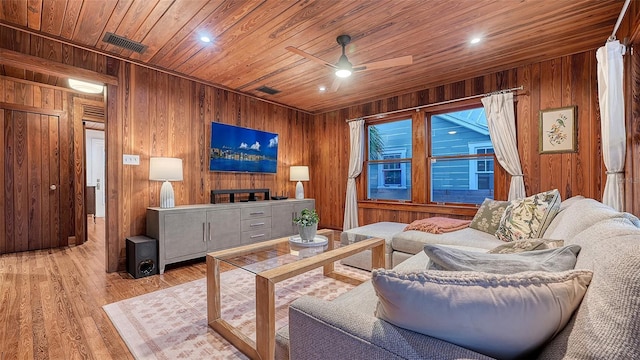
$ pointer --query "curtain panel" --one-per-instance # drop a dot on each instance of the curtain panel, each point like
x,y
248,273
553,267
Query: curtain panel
x,y
502,131
611,99
356,134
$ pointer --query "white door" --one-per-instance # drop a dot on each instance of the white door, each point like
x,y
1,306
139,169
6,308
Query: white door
x,y
97,168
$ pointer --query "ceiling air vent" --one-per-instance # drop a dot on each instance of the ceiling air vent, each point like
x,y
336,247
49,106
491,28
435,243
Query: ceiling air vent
x,y
268,90
123,42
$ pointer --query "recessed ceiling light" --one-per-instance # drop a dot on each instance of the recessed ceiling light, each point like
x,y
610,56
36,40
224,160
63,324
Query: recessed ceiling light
x,y
452,132
475,40
86,87
322,88
205,39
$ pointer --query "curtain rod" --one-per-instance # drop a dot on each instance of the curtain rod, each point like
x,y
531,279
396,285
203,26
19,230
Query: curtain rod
x,y
620,17
418,108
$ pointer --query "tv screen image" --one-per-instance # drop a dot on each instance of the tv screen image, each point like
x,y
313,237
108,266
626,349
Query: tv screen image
x,y
240,149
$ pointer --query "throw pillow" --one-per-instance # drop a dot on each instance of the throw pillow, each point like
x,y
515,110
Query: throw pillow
x,y
488,217
528,218
502,316
519,246
445,258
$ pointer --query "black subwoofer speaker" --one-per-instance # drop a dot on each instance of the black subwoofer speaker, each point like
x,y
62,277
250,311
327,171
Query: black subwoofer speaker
x,y
142,256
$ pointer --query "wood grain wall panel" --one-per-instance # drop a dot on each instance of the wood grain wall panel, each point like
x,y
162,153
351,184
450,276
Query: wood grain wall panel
x,y
3,211
162,115
34,167
555,83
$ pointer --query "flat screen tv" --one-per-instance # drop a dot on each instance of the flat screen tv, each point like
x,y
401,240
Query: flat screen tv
x,y
240,149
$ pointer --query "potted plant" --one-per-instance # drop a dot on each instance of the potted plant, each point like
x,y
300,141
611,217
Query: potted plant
x,y
307,224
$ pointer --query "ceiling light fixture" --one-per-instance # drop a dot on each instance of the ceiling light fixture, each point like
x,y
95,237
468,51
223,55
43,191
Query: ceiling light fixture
x,y
322,88
205,39
452,132
475,40
86,87
344,67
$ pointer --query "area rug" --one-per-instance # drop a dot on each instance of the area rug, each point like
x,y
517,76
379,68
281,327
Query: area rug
x,y
172,323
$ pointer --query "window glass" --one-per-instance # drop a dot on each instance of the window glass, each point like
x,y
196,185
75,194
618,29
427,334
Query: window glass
x,y
461,157
389,160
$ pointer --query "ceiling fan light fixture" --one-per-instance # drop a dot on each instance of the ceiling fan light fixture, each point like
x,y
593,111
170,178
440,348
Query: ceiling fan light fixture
x,y
343,73
85,86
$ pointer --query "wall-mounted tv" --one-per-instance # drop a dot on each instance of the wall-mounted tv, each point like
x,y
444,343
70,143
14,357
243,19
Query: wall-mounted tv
x,y
239,149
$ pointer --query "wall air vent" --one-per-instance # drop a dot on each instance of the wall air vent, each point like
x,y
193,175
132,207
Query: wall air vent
x,y
268,90
123,42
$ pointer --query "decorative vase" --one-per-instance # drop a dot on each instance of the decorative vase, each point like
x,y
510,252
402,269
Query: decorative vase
x,y
307,233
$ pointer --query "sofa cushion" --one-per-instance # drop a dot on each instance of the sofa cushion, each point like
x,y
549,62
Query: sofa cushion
x,y
444,258
412,242
580,216
482,312
528,218
519,246
488,217
605,326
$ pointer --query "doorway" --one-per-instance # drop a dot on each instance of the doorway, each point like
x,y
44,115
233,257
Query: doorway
x,y
95,165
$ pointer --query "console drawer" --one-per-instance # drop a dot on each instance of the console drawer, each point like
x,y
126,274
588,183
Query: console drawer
x,y
256,212
256,224
250,237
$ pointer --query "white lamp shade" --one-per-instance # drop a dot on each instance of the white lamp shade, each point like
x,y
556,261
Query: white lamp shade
x,y
299,173
165,169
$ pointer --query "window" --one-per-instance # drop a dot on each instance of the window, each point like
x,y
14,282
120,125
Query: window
x,y
460,157
388,160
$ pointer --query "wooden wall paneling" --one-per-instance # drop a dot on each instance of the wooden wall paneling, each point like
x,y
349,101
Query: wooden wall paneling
x,y
79,178
580,93
595,138
67,225
20,172
137,177
551,97
632,176
126,172
46,168
54,178
527,146
33,180
3,211
567,160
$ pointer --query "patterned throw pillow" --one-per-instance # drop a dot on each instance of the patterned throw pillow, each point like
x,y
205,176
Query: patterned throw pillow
x,y
488,217
528,218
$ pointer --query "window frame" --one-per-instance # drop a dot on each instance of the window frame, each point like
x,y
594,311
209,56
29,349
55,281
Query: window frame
x,y
402,161
428,114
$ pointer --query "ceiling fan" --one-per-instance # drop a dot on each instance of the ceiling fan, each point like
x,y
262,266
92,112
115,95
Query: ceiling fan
x,y
343,68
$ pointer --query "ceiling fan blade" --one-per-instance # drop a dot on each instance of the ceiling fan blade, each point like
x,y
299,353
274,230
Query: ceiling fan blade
x,y
309,56
335,85
403,60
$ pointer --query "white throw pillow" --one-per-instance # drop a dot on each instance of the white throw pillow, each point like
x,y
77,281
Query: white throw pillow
x,y
528,218
503,316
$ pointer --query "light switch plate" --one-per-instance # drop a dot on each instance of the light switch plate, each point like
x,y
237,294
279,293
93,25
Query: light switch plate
x,y
131,159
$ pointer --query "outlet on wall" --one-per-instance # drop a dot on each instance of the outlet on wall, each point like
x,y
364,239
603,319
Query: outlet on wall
x,y
131,159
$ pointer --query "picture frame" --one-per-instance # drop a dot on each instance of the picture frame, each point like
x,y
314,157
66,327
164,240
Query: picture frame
x,y
558,130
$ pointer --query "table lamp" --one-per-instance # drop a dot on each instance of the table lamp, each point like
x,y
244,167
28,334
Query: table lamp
x,y
299,174
165,169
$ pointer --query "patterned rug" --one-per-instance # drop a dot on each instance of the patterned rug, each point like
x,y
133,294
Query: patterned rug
x,y
172,323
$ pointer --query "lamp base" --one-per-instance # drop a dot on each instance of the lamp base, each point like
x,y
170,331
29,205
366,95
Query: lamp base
x,y
299,190
166,195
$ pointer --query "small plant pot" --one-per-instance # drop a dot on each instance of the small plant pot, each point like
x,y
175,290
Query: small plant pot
x,y
307,233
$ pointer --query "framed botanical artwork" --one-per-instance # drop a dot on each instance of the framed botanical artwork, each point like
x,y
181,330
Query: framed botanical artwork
x,y
558,130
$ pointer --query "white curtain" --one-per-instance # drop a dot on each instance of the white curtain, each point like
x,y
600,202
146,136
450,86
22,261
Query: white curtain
x,y
356,134
610,94
502,130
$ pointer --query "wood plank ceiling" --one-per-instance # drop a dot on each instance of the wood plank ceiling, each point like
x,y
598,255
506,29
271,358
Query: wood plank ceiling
x,y
249,39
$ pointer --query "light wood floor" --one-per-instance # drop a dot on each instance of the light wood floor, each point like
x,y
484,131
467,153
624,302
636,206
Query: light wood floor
x,y
51,300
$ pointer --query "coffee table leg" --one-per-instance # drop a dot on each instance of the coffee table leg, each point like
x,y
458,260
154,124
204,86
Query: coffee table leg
x,y
378,257
213,290
265,318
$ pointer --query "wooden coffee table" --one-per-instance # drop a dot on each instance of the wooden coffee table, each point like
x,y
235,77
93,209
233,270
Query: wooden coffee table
x,y
264,346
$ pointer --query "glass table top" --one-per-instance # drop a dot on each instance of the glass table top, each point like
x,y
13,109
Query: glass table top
x,y
271,254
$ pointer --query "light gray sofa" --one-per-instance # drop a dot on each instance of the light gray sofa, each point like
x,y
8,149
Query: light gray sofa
x,y
605,326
